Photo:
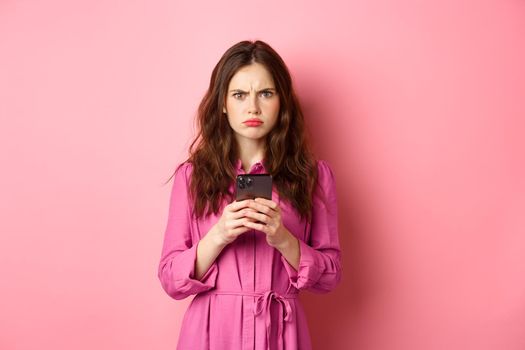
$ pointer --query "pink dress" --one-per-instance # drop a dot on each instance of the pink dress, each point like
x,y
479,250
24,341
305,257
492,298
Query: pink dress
x,y
247,300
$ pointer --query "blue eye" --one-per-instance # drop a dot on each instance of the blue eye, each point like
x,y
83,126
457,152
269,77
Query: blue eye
x,y
267,93
237,95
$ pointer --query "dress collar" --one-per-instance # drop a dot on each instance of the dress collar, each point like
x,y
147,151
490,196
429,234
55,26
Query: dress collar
x,y
257,167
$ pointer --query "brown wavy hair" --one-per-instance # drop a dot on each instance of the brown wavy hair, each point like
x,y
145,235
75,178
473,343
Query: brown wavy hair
x,y
214,151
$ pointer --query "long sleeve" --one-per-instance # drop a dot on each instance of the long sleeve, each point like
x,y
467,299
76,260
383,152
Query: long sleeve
x,y
176,269
320,258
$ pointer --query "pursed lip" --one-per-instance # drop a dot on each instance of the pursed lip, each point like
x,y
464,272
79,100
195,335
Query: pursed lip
x,y
253,120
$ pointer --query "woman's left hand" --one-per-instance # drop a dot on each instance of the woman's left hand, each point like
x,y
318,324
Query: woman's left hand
x,y
269,214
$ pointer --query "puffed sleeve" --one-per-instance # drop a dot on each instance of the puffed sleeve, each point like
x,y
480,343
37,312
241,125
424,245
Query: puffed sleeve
x,y
320,258
176,269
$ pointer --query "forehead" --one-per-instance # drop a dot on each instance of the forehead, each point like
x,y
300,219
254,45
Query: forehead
x,y
255,75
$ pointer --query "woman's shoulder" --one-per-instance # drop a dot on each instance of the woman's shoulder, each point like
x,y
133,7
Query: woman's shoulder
x,y
324,169
184,166
183,171
325,188
325,176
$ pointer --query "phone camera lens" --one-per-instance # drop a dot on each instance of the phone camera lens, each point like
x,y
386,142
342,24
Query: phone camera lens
x,y
249,181
241,182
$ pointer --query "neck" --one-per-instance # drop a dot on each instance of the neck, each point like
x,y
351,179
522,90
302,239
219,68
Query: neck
x,y
250,151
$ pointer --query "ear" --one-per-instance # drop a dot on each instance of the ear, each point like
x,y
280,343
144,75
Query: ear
x,y
224,110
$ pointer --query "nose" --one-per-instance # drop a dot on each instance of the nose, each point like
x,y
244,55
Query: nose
x,y
253,108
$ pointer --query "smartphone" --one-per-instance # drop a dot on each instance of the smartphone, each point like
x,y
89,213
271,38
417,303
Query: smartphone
x,y
249,186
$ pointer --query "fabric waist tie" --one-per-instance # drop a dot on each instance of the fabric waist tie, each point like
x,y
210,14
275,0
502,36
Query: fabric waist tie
x,y
262,307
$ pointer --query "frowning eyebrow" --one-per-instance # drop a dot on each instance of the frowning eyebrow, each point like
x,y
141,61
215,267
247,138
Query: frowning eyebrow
x,y
266,89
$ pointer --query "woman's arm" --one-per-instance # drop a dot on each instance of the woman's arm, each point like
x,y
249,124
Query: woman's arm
x,y
208,250
290,250
187,267
319,268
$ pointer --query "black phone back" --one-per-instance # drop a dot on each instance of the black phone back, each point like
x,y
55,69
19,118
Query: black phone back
x,y
249,186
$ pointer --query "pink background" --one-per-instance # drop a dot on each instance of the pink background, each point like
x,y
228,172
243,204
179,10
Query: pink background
x,y
418,105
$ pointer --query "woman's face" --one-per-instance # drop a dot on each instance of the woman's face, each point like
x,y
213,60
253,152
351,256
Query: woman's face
x,y
252,103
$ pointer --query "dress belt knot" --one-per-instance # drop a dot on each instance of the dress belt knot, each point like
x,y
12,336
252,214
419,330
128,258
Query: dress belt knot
x,y
263,304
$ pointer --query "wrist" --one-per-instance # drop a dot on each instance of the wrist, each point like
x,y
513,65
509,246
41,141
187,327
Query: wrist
x,y
214,237
289,242
291,250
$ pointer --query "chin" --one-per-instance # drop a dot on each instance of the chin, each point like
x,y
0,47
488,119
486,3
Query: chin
x,y
253,135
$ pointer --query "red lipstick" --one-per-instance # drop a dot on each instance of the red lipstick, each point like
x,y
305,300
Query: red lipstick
x,y
253,122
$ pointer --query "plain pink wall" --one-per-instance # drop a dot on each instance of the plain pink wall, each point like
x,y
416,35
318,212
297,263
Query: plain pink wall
x,y
418,105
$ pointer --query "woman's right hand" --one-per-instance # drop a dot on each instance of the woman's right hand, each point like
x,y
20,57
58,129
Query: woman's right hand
x,y
226,230
231,223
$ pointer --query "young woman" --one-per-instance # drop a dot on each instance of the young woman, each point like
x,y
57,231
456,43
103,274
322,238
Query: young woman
x,y
246,261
